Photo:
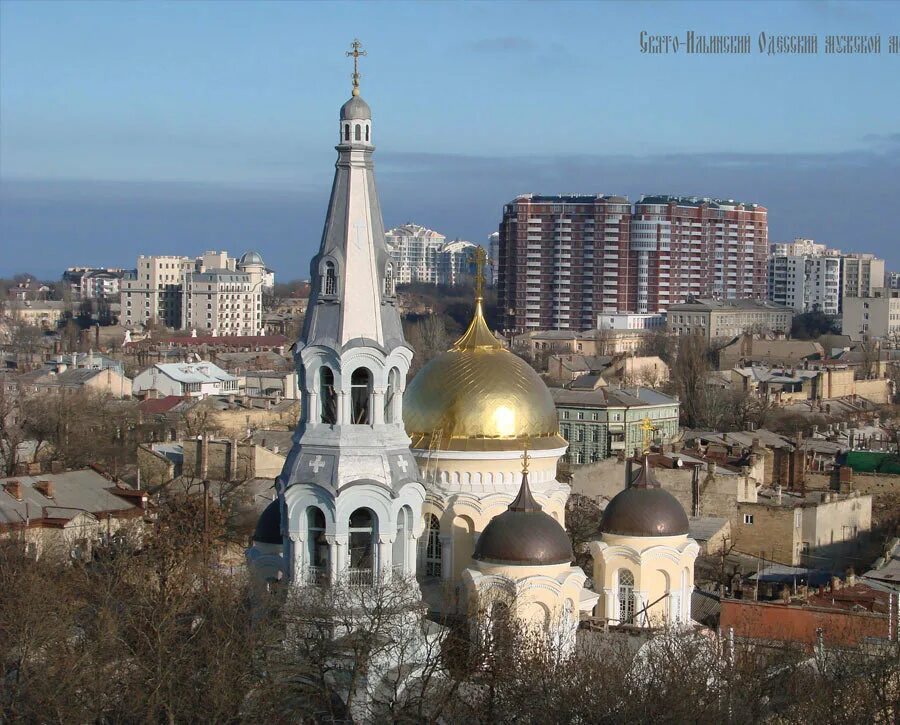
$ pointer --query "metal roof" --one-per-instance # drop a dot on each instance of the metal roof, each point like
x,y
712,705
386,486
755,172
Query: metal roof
x,y
73,491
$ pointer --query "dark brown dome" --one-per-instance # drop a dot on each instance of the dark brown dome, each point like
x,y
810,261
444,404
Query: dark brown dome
x,y
268,528
644,509
524,535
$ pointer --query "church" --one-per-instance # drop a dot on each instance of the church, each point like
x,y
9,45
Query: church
x,y
451,479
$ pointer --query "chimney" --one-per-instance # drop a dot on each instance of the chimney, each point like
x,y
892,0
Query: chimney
x,y
45,488
204,456
233,459
14,489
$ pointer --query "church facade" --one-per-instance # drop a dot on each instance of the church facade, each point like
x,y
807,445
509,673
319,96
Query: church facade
x,y
429,481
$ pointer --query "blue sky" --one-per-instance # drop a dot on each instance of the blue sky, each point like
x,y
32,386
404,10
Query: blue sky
x,y
131,128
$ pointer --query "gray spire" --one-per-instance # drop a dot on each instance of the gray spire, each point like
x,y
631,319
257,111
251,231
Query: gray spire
x,y
352,276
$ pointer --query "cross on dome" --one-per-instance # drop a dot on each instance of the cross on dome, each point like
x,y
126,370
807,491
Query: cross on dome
x,y
355,54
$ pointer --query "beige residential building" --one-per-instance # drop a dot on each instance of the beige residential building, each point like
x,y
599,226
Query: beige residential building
x,y
861,275
725,319
40,313
874,317
820,530
213,293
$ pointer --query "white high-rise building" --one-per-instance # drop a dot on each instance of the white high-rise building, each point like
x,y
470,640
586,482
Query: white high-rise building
x,y
416,251
806,283
806,276
424,255
455,262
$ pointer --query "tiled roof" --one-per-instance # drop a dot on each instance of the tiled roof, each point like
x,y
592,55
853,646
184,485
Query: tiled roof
x,y
155,406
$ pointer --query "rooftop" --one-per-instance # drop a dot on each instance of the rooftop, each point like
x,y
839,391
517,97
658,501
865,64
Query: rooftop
x,y
73,492
609,397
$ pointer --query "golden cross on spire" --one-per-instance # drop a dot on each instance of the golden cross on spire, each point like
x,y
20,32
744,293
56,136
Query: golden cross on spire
x,y
647,427
480,260
525,457
356,52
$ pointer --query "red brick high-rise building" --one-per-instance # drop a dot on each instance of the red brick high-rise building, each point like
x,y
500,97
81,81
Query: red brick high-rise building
x,y
565,259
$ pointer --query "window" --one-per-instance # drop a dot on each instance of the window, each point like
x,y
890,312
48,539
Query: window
x,y
389,280
360,394
328,396
346,132
399,549
748,518
367,132
626,596
391,394
319,550
431,561
358,132
362,547
329,282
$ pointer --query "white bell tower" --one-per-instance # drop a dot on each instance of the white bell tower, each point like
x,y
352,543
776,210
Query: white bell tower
x,y
350,498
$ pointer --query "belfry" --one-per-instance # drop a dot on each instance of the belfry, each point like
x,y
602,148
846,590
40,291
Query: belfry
x,y
349,502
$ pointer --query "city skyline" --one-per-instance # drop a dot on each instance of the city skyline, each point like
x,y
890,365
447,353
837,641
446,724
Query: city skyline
x,y
211,130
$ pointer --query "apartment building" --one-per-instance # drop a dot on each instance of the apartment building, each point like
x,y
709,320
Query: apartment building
x,y
563,261
424,255
807,276
726,319
494,256
599,423
91,283
455,262
704,247
861,275
806,282
213,292
873,317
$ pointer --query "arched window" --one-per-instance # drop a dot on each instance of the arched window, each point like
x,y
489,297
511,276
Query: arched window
x,y
367,132
328,396
626,596
346,132
329,279
319,550
363,530
358,132
390,396
389,280
431,548
360,396
404,527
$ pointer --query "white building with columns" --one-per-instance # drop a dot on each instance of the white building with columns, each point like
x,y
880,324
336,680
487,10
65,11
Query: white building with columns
x,y
349,505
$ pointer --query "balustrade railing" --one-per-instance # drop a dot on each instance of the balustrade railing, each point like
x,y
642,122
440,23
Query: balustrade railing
x,y
316,576
360,577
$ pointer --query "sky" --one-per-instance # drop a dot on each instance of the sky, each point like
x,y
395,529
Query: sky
x,y
156,127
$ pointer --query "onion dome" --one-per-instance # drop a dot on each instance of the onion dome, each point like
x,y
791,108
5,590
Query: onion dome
x,y
478,396
251,258
356,109
268,528
524,535
644,509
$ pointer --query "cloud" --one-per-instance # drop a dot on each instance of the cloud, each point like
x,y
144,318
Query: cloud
x,y
503,44
837,198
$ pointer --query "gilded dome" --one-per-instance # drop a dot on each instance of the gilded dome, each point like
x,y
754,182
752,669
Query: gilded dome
x,y
478,396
